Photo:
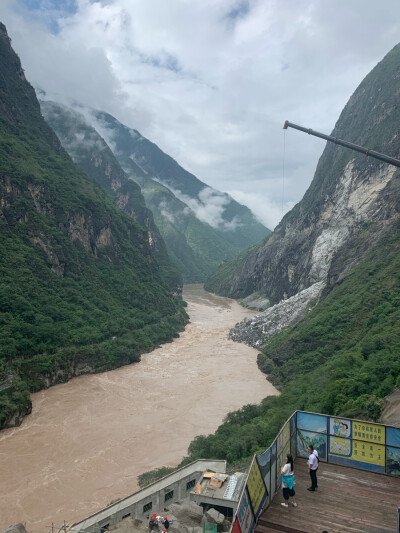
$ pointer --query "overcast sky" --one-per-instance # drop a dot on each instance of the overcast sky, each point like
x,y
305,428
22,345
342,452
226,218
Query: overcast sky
x,y
211,82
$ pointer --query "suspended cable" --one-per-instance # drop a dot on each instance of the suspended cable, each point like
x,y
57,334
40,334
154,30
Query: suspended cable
x,y
283,168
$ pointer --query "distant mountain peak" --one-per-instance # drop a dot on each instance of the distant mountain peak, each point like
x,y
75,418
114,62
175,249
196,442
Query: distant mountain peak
x,y
201,226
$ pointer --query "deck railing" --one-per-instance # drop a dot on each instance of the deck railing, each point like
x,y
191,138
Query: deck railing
x,y
355,443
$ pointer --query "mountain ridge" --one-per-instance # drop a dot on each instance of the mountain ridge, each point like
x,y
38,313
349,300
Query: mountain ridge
x,y
81,289
330,338
226,225
346,193
90,152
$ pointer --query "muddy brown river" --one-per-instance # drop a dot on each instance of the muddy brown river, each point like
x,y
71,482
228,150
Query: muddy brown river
x,y
87,440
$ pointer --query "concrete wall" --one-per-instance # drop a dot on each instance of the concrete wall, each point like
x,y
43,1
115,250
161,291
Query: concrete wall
x,y
155,494
208,501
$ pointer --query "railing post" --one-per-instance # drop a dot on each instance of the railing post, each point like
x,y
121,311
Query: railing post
x,y
398,519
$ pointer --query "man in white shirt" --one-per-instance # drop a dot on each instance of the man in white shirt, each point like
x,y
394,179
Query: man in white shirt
x,y
313,461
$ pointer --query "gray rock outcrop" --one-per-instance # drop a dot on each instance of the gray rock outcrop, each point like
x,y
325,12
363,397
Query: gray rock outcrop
x,y
186,513
185,517
350,203
391,409
254,330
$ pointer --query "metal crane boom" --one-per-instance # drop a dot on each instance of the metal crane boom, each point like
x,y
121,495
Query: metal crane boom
x,y
366,151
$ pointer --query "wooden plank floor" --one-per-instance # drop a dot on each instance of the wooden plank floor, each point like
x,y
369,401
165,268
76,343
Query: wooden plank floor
x,y
346,501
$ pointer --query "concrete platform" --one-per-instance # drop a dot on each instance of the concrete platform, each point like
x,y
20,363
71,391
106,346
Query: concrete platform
x,y
346,501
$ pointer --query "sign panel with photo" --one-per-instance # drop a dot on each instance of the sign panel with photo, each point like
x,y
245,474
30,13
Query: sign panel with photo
x,y
359,444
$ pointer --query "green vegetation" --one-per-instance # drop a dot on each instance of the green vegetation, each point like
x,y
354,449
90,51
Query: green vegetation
x,y
14,401
154,475
194,246
79,287
342,359
90,152
51,322
369,119
220,280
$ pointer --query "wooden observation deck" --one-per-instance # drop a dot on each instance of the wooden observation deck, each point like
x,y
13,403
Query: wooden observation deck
x,y
346,501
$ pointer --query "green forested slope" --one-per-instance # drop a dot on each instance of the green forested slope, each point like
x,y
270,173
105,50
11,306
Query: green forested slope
x,y
193,245
91,153
240,228
197,244
219,281
342,359
79,287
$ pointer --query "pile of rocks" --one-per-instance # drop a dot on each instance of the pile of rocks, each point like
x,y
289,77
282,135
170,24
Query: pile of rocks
x,y
256,329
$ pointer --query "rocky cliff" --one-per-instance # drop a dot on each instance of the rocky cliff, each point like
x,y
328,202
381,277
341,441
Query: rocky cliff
x,y
81,289
350,203
193,245
91,153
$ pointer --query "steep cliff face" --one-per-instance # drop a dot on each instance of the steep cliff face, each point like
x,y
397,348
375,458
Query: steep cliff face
x,y
351,198
80,287
91,153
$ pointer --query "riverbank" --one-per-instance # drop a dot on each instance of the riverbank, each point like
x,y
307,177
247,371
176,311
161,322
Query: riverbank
x,y
87,440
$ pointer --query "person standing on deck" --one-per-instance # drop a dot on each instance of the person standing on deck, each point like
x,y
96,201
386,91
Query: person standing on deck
x,y
313,461
287,472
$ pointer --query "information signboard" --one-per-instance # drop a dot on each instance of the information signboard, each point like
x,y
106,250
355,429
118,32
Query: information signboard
x,y
352,442
256,488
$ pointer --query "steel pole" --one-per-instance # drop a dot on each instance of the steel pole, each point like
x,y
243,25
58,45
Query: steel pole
x,y
366,151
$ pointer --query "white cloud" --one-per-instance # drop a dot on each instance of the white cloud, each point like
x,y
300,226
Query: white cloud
x,y
73,140
212,82
267,212
209,207
166,213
